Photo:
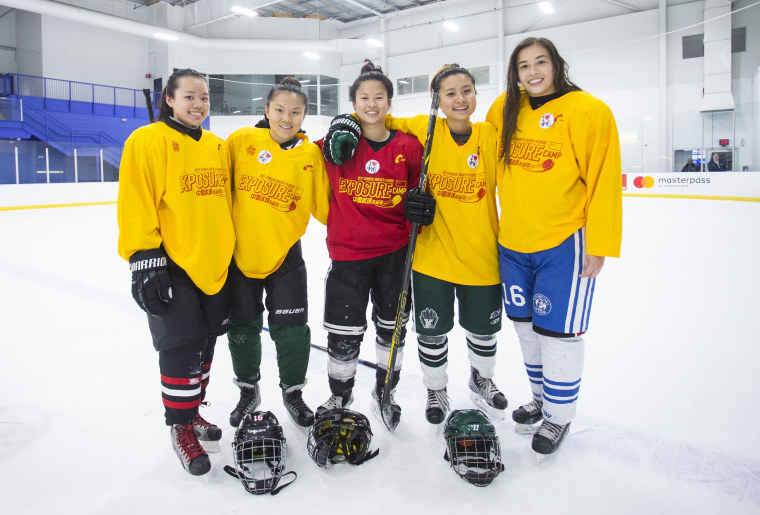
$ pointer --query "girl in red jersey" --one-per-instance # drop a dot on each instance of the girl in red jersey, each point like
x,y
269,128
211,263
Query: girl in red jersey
x,y
367,236
279,182
175,229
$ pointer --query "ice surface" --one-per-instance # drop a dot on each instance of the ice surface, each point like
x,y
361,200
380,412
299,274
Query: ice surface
x,y
667,419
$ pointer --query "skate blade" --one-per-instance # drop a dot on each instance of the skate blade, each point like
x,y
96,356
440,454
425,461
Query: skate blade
x,y
526,429
483,405
374,407
540,459
210,445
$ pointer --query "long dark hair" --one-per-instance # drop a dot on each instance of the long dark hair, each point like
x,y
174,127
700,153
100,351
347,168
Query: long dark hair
x,y
447,70
562,84
165,111
370,72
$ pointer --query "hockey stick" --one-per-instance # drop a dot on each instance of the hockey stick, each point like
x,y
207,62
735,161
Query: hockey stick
x,y
361,361
385,401
149,104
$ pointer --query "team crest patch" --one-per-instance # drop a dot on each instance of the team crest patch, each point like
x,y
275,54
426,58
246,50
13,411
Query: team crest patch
x,y
250,150
541,304
473,160
428,318
265,157
372,166
175,146
547,121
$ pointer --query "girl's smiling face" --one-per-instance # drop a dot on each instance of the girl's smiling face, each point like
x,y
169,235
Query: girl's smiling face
x,y
190,102
286,112
457,97
536,71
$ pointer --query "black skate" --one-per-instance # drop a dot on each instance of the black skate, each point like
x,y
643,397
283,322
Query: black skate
x,y
395,409
336,401
250,398
548,438
189,451
486,394
526,416
292,398
437,405
207,433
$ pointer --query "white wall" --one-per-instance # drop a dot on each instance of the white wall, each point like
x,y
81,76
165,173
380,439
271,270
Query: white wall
x,y
7,41
28,43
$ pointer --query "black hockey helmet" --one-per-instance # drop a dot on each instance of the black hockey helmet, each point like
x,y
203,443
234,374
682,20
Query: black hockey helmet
x,y
260,450
340,435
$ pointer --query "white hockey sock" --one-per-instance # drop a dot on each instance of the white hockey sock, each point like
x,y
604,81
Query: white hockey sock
x,y
433,352
481,349
531,352
563,367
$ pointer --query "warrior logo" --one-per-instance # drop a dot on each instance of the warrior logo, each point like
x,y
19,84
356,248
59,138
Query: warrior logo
x,y
428,318
265,156
547,121
541,304
472,160
372,166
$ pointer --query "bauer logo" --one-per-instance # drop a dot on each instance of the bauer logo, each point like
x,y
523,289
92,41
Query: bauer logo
x,y
541,304
265,157
643,182
472,160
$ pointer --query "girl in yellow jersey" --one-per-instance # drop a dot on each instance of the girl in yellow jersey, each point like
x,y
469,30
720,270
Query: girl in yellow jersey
x,y
456,256
561,214
175,229
279,181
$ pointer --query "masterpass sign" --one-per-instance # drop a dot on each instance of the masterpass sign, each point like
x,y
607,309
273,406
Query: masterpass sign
x,y
694,184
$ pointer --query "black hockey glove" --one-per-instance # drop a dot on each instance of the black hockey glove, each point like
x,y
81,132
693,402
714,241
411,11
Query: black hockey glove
x,y
419,207
342,139
151,284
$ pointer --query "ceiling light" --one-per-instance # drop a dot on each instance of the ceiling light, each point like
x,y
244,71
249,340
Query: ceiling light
x,y
311,55
257,98
242,10
453,27
546,7
165,36
304,81
403,81
373,42
236,112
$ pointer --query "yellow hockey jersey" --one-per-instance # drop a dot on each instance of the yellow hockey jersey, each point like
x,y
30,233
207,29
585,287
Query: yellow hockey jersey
x,y
175,191
563,172
275,191
460,246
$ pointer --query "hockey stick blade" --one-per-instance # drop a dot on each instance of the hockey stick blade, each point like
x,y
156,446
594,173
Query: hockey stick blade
x,y
385,407
149,104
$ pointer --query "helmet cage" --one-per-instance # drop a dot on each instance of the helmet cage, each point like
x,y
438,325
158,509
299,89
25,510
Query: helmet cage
x,y
259,450
472,446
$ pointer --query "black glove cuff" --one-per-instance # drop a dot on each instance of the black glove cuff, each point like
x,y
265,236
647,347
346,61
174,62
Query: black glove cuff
x,y
151,259
346,122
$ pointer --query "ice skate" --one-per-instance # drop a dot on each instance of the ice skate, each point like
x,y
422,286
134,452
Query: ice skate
x,y
548,438
207,433
298,410
395,409
189,451
437,406
336,401
526,416
250,399
485,394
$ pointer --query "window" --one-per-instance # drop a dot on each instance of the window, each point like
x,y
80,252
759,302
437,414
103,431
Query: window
x,y
482,74
408,85
694,46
